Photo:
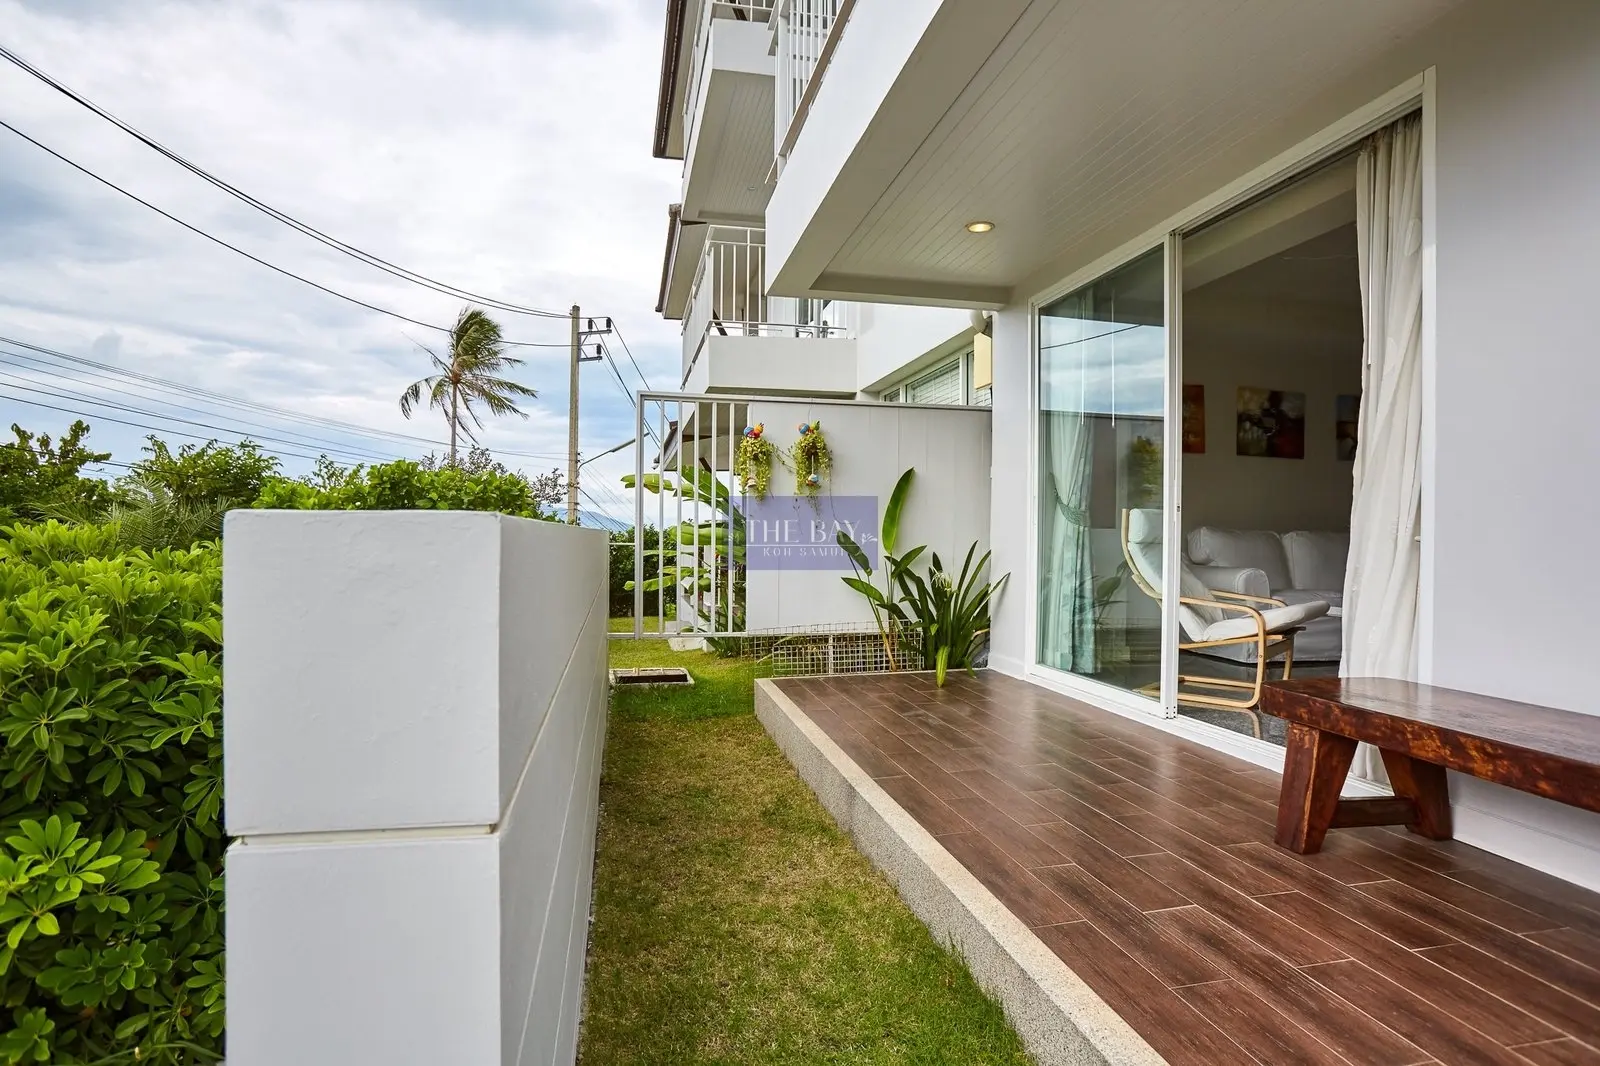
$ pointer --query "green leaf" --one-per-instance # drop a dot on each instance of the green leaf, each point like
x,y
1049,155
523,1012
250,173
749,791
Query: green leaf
x,y
892,511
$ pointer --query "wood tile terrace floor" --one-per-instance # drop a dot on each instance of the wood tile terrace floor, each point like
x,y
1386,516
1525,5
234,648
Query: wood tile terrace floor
x,y
1146,863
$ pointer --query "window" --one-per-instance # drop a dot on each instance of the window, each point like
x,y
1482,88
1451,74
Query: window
x,y
1102,367
942,385
947,383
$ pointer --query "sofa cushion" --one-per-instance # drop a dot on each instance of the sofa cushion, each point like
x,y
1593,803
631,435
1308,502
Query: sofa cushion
x,y
1316,560
1262,549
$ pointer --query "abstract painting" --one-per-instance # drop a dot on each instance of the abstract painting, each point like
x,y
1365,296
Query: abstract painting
x,y
1194,419
1272,423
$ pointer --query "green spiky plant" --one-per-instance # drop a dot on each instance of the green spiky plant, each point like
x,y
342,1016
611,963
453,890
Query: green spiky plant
x,y
953,613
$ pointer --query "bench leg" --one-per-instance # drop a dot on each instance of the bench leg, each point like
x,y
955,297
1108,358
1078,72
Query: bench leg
x,y
1425,785
1314,770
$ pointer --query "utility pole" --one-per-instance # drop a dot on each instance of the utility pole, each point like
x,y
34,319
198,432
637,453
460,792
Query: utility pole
x,y
579,335
572,423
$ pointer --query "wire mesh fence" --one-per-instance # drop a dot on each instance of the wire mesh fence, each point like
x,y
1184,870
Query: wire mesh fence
x,y
846,648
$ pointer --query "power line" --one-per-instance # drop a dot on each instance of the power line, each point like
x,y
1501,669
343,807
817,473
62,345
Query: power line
x,y
223,399
134,377
110,405
281,453
288,220
306,439
248,255
624,342
633,400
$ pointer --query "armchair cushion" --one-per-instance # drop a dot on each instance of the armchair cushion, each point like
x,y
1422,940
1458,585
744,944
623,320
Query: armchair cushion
x,y
1260,548
1245,580
1316,560
1277,620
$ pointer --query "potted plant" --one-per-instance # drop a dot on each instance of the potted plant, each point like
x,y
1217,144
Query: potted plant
x,y
811,459
752,462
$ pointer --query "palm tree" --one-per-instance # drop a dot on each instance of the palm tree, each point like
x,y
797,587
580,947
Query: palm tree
x,y
469,376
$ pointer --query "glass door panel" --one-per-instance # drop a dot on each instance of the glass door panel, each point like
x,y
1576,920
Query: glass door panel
x,y
1102,398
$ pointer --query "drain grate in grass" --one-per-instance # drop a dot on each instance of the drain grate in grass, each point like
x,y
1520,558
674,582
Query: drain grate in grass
x,y
651,676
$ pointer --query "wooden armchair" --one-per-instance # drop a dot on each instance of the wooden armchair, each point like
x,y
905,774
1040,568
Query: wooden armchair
x,y
1211,618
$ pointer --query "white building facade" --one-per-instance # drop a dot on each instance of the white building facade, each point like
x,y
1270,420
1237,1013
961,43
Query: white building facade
x,y
1281,211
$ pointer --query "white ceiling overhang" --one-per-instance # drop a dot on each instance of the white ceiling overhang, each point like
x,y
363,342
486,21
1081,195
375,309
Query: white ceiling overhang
x,y
1073,125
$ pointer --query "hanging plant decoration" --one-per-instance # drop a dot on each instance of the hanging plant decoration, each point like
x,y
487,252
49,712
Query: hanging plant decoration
x,y
752,462
810,458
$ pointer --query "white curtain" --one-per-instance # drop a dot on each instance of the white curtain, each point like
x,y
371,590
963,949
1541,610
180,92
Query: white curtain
x,y
1067,604
1380,594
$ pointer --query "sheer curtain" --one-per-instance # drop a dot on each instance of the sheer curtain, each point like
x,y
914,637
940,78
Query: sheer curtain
x,y
1380,596
1066,628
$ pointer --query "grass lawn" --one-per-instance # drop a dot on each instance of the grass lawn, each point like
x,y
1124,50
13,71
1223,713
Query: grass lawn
x,y
734,922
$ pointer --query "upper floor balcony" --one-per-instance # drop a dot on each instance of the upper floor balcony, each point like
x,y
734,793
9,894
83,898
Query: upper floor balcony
x,y
716,108
738,339
804,34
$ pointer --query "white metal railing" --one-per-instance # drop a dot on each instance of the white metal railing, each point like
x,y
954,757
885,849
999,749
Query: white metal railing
x,y
758,11
693,575
728,297
805,32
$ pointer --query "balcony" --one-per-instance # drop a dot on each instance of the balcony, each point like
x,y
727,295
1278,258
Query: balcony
x,y
804,35
737,339
727,113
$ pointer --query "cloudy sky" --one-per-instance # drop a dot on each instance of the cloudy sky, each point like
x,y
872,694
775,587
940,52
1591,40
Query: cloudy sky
x,y
502,146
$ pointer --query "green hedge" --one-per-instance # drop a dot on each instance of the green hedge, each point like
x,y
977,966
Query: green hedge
x,y
111,843
407,486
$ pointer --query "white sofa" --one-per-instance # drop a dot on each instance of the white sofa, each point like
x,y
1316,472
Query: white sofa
x,y
1295,567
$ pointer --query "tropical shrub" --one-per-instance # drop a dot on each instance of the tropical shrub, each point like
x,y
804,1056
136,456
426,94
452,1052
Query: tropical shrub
x,y
622,572
404,485
111,843
37,474
205,476
950,613
944,618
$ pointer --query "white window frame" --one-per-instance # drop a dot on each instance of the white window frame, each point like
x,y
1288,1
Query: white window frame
x,y
1417,93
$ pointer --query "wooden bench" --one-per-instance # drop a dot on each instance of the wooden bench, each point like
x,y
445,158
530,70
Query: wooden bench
x,y
1421,731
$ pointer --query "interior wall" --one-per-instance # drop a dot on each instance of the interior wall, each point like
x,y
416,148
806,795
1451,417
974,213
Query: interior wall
x,y
1228,345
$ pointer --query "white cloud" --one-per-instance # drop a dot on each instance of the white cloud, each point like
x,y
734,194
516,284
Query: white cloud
x,y
500,145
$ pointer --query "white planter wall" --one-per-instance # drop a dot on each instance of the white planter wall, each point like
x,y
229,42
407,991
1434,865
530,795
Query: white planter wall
x,y
872,445
414,723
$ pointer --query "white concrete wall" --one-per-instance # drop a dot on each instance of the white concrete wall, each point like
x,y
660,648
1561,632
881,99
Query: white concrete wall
x,y
1515,577
872,445
1513,580
891,339
415,716
758,365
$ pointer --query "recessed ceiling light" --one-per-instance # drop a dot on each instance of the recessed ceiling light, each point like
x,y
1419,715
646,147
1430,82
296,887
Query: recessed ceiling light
x,y
979,227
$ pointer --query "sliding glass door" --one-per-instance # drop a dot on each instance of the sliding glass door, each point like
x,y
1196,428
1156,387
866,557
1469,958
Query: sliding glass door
x,y
1102,403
